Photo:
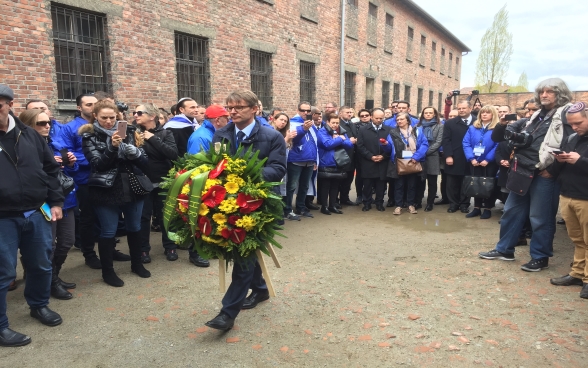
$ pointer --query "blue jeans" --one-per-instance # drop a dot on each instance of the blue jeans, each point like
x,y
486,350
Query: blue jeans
x,y
108,217
540,206
297,176
33,236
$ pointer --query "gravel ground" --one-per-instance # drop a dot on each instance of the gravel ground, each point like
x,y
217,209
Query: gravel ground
x,y
356,290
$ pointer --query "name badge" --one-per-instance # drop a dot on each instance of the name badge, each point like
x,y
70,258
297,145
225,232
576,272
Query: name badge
x,y
406,154
479,150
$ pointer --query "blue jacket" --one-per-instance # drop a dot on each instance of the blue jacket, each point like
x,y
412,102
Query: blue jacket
x,y
422,145
327,145
201,138
71,140
391,122
70,199
303,145
55,132
473,138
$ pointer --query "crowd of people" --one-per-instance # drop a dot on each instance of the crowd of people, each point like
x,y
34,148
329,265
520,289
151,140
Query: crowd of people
x,y
97,178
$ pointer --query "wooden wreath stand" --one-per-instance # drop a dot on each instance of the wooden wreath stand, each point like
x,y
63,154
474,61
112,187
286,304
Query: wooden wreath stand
x,y
222,270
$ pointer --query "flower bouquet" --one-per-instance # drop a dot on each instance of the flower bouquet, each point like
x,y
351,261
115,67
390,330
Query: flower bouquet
x,y
219,204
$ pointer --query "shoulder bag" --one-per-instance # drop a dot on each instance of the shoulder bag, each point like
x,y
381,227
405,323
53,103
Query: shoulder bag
x,y
478,186
404,166
140,184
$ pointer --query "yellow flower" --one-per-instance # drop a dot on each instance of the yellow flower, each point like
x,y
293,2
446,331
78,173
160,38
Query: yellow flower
x,y
235,179
228,205
219,218
210,183
246,222
186,189
232,187
210,239
203,210
224,244
183,209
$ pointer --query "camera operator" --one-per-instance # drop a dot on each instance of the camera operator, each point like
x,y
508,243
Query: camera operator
x,y
534,192
571,169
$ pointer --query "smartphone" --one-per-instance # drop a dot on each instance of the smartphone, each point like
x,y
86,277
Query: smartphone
x,y
122,129
557,152
46,211
510,117
64,158
308,117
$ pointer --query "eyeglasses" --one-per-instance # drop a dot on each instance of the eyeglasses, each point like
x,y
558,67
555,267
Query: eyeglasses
x,y
139,113
532,109
237,108
306,111
43,123
364,116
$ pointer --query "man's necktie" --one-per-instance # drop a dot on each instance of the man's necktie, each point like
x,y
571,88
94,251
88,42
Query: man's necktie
x,y
240,136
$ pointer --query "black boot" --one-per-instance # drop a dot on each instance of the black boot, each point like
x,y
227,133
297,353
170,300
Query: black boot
x,y
308,203
58,291
105,248
58,261
137,267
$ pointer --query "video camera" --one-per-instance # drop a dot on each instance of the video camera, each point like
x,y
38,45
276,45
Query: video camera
x,y
121,106
519,140
455,92
475,92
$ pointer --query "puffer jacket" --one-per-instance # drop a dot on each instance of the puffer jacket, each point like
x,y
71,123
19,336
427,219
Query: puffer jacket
x,y
161,150
476,136
327,146
105,182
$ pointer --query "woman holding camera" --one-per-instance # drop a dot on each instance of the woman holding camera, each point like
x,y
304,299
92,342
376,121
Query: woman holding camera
x,y
409,143
480,149
118,164
62,231
160,146
331,137
430,122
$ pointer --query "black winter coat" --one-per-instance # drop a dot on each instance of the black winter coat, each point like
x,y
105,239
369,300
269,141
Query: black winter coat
x,y
352,131
269,142
503,151
106,165
573,177
161,151
453,132
368,145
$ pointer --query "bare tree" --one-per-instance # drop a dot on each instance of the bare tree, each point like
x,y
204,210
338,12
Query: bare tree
x,y
495,52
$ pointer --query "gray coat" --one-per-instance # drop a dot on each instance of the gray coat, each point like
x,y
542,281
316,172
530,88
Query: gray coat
x,y
432,160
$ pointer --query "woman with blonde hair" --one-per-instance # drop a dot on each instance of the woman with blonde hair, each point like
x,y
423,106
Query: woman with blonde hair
x,y
480,149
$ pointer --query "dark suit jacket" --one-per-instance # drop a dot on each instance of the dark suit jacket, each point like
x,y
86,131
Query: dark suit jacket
x,y
453,133
368,145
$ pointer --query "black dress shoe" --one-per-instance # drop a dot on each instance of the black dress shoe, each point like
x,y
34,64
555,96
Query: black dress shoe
x,y
255,298
13,338
67,285
311,206
442,201
452,209
464,209
418,206
390,204
221,322
59,292
566,280
304,213
46,316
349,203
121,257
366,207
380,207
199,261
171,254
325,211
335,210
429,207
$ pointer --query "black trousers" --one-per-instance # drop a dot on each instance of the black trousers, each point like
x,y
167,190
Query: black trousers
x,y
329,188
391,191
87,221
359,183
246,275
153,207
431,184
345,187
368,184
443,184
454,192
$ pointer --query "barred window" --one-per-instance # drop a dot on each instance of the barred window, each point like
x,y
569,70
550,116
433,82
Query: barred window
x,y
419,100
456,68
350,89
372,25
307,82
442,63
433,54
430,98
261,76
396,93
389,32
423,51
81,52
407,94
409,44
439,102
385,94
193,68
450,65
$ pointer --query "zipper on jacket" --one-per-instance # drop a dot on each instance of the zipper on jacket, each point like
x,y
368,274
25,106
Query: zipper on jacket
x,y
15,151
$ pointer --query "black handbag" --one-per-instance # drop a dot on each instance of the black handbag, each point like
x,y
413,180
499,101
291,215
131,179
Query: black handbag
x,y
140,184
478,186
331,173
519,182
67,183
341,157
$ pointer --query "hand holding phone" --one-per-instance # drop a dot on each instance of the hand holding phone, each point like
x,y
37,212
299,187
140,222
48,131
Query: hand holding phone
x,y
64,157
556,152
122,129
510,117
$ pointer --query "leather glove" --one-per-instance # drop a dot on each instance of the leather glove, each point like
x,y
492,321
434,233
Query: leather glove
x,y
132,152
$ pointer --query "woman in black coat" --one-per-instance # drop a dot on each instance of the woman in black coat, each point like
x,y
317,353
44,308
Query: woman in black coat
x,y
118,164
161,150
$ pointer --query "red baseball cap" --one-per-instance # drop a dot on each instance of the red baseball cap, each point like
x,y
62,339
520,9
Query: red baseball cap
x,y
215,111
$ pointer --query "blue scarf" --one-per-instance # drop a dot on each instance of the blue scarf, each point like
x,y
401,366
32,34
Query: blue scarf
x,y
428,128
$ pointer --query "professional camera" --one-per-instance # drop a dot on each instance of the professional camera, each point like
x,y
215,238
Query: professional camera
x,y
121,106
475,92
455,92
519,140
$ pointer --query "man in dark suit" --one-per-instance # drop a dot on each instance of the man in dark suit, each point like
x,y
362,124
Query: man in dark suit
x,y
374,157
246,130
345,115
456,166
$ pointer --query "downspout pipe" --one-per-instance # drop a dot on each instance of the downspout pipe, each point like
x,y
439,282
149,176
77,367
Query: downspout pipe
x,y
342,57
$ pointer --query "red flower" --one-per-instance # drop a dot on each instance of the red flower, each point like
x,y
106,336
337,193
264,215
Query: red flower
x,y
233,219
214,173
236,235
197,234
247,203
214,196
180,172
204,225
183,197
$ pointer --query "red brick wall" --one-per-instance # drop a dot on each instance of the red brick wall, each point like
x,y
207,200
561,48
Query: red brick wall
x,y
142,51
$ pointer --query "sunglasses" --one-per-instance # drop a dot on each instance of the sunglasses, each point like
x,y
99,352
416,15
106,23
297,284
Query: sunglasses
x,y
364,116
43,123
138,113
306,111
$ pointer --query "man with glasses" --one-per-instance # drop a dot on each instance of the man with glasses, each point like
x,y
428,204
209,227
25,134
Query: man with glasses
x,y
29,181
365,119
330,108
246,130
302,160
183,125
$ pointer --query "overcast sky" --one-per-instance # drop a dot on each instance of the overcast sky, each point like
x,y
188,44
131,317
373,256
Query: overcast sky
x,y
550,38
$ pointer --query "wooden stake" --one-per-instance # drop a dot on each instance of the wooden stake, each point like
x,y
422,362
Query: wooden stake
x,y
274,256
265,273
222,270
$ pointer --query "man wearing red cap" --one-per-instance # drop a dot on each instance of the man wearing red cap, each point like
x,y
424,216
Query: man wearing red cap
x,y
216,118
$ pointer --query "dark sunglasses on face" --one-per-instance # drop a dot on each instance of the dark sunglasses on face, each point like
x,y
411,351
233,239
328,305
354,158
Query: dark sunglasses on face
x,y
43,123
138,113
306,111
364,116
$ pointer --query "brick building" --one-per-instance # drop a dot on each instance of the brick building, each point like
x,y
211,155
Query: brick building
x,y
285,51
